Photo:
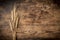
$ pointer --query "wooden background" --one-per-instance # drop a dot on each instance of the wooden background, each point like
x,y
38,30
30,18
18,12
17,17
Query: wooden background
x,y
38,19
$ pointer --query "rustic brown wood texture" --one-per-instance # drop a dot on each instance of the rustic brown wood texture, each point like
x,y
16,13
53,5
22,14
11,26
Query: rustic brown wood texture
x,y
38,19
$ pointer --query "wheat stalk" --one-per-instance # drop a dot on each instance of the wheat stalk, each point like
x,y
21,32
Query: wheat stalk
x,y
14,22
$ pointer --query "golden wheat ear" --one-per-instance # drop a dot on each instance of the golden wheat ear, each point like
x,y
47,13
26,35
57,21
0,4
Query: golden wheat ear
x,y
13,22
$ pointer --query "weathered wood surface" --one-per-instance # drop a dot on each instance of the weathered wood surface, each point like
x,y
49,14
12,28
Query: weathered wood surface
x,y
37,19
